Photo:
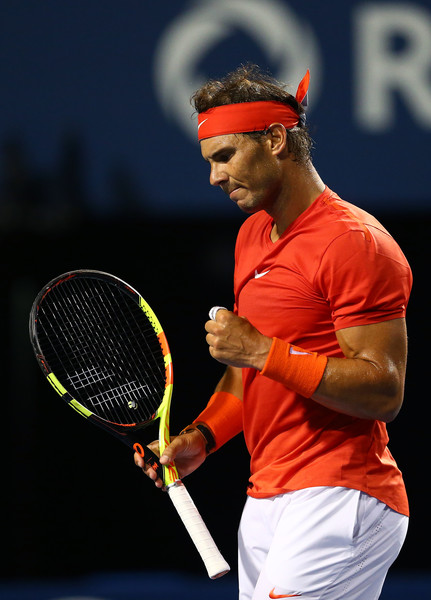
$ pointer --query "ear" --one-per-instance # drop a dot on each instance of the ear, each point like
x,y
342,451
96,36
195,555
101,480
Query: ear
x,y
278,138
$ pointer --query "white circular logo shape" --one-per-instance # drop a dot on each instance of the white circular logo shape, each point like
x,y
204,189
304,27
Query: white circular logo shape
x,y
286,40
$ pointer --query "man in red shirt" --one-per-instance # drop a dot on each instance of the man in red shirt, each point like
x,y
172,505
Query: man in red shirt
x,y
315,349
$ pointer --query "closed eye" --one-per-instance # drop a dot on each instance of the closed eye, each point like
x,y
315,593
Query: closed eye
x,y
222,155
225,157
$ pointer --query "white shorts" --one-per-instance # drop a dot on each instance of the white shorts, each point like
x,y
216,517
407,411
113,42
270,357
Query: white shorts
x,y
320,543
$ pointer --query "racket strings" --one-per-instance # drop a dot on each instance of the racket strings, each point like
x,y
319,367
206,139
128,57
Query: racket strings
x,y
96,337
140,333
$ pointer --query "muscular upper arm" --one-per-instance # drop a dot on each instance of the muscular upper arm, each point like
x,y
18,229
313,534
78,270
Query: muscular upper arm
x,y
386,341
370,383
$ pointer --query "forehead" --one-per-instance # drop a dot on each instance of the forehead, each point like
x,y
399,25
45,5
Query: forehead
x,y
210,147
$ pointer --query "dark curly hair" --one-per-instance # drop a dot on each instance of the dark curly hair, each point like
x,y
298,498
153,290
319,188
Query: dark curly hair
x,y
248,83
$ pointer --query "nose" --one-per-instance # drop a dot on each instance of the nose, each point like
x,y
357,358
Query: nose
x,y
217,174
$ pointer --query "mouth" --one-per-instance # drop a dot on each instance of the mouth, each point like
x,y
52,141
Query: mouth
x,y
234,193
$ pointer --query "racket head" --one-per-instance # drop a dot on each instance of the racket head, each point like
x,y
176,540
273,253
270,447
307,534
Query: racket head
x,y
103,350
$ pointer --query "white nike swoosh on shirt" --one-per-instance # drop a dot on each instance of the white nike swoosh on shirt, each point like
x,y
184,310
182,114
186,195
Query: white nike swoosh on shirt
x,y
257,275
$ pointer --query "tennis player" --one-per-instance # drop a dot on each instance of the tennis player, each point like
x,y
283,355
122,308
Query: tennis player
x,y
315,348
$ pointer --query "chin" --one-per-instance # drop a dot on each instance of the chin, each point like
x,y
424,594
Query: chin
x,y
250,210
250,206
245,208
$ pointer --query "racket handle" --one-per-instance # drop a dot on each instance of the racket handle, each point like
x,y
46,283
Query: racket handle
x,y
210,554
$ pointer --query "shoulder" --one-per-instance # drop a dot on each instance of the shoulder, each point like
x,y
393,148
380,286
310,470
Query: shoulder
x,y
254,222
336,223
253,228
339,216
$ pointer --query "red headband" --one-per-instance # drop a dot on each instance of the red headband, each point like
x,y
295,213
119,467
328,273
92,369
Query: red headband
x,y
250,116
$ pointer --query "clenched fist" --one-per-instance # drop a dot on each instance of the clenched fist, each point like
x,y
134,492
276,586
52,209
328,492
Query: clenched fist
x,y
234,341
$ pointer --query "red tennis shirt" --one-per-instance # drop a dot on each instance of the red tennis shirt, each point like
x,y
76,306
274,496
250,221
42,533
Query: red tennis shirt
x,y
334,267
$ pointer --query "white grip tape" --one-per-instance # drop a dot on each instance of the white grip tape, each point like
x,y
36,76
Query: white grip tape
x,y
212,313
210,554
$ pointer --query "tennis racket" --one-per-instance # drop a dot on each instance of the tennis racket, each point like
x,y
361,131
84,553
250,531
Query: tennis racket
x,y
103,350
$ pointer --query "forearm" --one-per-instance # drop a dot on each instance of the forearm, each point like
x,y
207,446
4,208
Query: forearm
x,y
231,382
223,413
368,383
361,388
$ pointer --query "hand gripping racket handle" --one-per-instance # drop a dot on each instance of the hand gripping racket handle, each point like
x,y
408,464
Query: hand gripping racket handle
x,y
210,554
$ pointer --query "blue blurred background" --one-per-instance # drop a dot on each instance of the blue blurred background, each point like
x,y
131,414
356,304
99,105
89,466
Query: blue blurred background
x,y
100,168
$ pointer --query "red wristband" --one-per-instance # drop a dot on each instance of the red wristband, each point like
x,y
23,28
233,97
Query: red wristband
x,y
294,367
223,416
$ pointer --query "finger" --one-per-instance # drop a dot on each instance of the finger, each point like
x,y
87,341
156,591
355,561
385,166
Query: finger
x,y
216,330
214,310
210,338
148,471
178,445
139,461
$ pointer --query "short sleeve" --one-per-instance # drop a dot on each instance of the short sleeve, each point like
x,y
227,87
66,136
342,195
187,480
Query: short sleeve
x,y
365,278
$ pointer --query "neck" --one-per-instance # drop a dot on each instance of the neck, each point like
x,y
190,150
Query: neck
x,y
302,185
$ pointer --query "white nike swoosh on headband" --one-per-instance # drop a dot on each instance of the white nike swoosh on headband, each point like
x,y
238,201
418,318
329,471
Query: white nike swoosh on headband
x,y
202,122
